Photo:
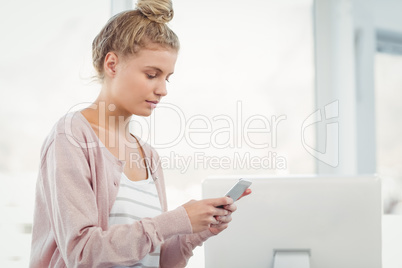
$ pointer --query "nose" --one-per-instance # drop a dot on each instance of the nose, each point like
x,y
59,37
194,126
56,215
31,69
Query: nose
x,y
161,90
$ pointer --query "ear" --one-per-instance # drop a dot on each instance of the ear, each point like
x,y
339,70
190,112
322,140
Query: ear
x,y
109,65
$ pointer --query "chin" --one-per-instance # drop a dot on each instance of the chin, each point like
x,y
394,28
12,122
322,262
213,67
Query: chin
x,y
143,113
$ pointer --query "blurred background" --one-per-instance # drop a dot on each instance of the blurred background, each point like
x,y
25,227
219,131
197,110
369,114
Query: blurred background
x,y
249,81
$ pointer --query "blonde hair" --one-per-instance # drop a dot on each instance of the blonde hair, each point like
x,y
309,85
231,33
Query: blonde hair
x,y
129,31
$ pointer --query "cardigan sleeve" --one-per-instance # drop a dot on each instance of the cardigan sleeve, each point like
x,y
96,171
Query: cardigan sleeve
x,y
177,250
70,205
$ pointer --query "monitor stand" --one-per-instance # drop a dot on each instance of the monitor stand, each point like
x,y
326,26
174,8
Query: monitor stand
x,y
291,258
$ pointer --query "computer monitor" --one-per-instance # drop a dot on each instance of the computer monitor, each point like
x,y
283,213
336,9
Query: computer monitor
x,y
299,221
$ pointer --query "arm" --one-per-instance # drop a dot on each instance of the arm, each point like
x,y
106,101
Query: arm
x,y
71,207
177,250
203,216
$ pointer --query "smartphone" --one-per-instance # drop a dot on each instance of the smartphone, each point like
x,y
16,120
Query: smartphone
x,y
238,189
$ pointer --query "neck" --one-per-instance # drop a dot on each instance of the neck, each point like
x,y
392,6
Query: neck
x,y
108,115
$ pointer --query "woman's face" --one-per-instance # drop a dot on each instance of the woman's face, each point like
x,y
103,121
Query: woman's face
x,y
139,81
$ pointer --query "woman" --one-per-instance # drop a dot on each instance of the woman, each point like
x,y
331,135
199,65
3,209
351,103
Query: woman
x,y
100,196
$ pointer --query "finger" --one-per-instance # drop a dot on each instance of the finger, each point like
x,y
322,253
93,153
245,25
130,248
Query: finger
x,y
231,208
221,201
246,192
219,227
214,221
224,219
221,212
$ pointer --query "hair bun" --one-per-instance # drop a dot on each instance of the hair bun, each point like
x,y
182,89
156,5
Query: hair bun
x,y
160,11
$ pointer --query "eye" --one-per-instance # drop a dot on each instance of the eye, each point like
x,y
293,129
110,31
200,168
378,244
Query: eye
x,y
150,76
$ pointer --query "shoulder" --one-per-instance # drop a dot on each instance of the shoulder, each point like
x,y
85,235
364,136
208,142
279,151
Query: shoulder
x,y
74,124
71,129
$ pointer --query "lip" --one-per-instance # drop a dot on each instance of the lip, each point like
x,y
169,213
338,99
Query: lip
x,y
152,103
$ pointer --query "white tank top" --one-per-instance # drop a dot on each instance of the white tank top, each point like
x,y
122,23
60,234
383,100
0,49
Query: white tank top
x,y
136,200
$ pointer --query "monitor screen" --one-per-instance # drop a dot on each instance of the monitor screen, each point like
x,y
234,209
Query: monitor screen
x,y
333,220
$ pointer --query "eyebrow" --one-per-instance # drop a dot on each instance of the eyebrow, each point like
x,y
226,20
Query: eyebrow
x,y
157,69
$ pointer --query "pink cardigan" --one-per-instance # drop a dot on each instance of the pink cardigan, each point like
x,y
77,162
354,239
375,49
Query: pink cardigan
x,y
76,187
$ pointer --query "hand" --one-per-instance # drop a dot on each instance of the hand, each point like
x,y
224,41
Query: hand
x,y
203,213
224,220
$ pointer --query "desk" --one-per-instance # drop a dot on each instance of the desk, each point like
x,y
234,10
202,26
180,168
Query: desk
x,y
392,241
